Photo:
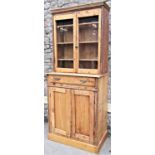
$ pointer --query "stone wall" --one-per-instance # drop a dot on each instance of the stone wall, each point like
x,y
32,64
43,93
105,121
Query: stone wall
x,y
48,43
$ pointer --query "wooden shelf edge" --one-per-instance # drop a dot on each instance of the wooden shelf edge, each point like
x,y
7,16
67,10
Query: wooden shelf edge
x,y
77,74
88,23
64,43
65,60
88,59
69,25
82,42
88,42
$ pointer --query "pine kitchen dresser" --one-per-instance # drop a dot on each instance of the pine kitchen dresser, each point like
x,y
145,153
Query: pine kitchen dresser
x,y
78,86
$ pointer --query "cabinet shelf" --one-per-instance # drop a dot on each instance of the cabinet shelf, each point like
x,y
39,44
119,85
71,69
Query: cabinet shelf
x,y
87,23
61,26
88,59
65,59
88,42
65,43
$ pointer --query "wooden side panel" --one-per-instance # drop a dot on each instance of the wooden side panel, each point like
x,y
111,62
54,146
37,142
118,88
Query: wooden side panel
x,y
101,122
49,110
83,115
60,110
104,40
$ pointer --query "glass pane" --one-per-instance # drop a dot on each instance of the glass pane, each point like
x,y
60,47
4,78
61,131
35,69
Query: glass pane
x,y
65,43
88,64
88,42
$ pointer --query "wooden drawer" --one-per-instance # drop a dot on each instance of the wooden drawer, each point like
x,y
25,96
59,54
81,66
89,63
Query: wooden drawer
x,y
85,81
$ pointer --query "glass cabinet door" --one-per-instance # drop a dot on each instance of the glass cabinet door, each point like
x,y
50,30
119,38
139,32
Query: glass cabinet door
x,y
88,41
64,43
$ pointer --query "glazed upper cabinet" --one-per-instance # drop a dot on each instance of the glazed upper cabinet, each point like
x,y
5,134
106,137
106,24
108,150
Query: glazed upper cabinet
x,y
79,42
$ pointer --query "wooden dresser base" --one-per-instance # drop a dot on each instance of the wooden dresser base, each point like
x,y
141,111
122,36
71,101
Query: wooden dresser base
x,y
78,144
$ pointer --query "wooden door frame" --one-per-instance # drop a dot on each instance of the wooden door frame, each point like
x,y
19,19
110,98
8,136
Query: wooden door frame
x,y
91,94
52,110
89,13
63,17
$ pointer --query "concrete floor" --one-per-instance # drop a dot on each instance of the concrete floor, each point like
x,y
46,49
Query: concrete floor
x,y
53,148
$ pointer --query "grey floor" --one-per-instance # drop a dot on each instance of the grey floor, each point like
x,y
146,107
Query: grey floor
x,y
53,148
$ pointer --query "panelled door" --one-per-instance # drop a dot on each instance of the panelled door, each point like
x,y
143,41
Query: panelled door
x,y
83,115
89,41
60,111
64,42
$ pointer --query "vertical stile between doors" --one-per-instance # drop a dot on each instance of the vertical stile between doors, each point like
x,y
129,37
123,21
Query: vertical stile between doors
x,y
76,43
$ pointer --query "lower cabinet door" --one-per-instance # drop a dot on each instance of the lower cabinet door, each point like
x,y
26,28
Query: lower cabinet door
x,y
83,115
60,111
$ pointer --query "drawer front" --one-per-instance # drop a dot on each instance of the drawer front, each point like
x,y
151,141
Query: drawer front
x,y
71,86
71,80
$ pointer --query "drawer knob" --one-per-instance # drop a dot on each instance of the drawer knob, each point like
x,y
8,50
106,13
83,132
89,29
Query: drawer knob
x,y
56,79
83,81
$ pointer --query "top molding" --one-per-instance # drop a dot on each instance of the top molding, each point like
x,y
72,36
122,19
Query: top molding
x,y
80,7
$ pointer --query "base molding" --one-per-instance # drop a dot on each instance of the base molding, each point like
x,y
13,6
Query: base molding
x,y
78,144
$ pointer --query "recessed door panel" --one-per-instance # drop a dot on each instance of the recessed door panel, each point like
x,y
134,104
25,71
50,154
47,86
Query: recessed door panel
x,y
61,110
83,115
82,119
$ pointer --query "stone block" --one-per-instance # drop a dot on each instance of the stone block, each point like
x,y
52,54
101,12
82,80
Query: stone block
x,y
46,47
109,123
46,40
47,5
48,50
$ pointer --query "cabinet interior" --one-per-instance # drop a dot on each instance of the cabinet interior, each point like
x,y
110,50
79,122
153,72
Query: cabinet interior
x,y
88,42
65,43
